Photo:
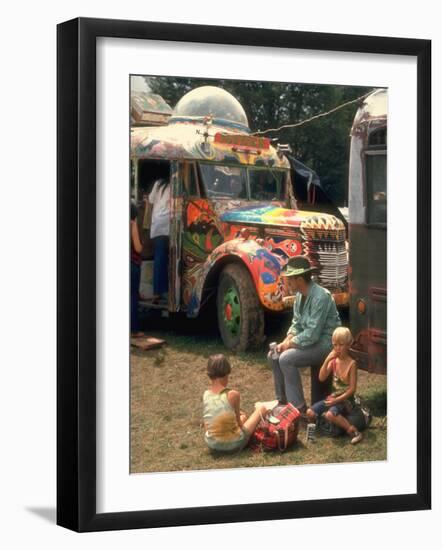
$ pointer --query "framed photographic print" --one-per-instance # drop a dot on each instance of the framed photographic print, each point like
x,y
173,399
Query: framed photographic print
x,y
243,225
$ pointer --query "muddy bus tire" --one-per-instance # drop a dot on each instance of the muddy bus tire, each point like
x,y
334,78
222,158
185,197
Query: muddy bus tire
x,y
240,314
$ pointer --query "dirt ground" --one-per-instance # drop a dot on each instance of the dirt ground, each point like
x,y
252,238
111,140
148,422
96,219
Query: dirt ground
x,y
166,406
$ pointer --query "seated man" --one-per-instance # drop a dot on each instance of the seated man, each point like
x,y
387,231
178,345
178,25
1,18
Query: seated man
x,y
309,338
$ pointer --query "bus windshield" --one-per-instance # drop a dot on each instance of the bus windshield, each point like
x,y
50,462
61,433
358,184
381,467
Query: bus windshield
x,y
266,185
224,181
236,182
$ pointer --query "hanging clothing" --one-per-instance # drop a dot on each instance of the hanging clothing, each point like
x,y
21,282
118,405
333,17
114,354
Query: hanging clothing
x,y
159,198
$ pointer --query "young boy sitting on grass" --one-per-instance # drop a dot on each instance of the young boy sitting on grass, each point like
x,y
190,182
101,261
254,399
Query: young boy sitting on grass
x,y
227,429
340,364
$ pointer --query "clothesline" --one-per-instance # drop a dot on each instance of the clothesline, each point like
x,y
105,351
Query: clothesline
x,y
320,115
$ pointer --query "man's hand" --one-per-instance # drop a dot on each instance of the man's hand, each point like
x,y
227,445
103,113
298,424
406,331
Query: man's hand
x,y
281,347
284,345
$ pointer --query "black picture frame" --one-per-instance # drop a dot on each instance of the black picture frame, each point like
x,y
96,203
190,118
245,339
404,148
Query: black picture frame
x,y
76,273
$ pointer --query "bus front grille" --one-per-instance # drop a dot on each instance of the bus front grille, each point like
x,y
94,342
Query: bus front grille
x,y
324,235
331,259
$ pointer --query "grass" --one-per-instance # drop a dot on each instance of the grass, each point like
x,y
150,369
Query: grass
x,y
166,407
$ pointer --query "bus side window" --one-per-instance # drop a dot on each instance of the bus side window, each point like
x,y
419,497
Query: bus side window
x,y
376,177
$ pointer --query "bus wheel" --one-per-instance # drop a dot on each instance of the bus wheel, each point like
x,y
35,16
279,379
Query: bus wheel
x,y
240,315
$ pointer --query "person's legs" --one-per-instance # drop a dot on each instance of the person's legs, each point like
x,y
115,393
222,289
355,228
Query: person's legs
x,y
165,275
289,362
334,417
293,359
161,265
316,410
156,264
135,274
278,379
253,420
338,420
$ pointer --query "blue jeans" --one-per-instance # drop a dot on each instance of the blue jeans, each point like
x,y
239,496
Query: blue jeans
x,y
320,408
160,265
135,275
288,384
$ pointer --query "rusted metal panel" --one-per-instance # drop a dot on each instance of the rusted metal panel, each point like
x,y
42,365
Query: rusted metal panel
x,y
367,286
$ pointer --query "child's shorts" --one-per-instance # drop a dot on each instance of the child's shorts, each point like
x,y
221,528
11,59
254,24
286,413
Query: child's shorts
x,y
320,408
228,446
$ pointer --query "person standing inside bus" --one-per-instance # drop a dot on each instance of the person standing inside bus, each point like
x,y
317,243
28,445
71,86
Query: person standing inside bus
x,y
159,199
309,338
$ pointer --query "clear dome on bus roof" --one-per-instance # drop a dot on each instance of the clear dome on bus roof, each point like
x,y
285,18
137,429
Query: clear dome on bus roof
x,y
211,100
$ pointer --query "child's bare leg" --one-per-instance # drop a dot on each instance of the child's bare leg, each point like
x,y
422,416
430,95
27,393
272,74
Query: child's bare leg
x,y
340,421
311,415
253,420
343,423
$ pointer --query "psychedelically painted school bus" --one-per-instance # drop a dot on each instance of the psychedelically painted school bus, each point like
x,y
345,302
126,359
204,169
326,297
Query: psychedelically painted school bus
x,y
234,220
368,233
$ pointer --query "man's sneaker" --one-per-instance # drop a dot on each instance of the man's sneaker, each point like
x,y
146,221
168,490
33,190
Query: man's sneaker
x,y
357,436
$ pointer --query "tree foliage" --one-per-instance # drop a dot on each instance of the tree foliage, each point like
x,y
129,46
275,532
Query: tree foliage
x,y
322,144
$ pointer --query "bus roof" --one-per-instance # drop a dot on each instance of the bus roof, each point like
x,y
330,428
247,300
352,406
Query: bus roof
x,y
374,108
186,140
